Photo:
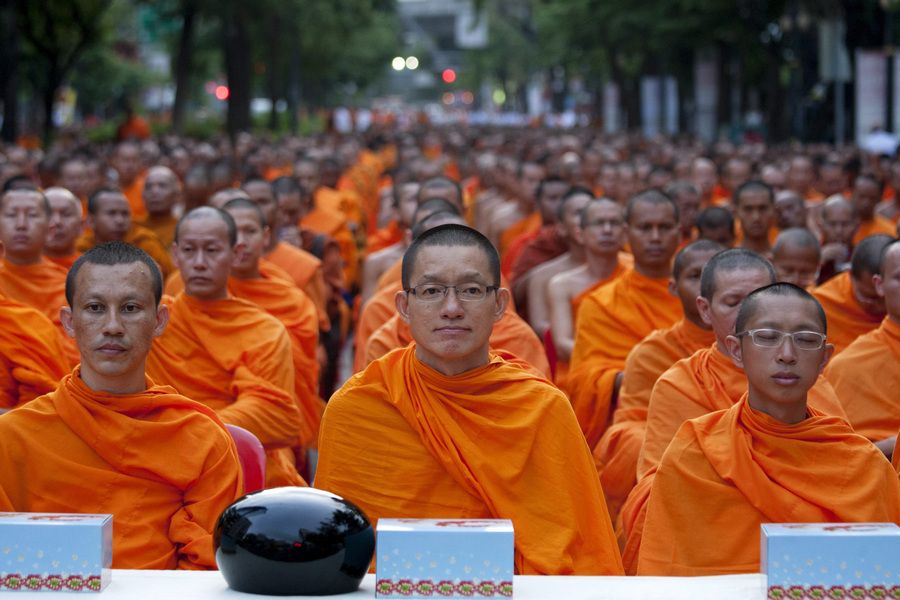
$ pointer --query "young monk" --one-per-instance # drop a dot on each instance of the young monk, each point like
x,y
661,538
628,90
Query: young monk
x,y
66,226
161,192
225,352
614,318
616,455
717,224
867,192
865,376
726,473
454,431
109,440
754,204
795,257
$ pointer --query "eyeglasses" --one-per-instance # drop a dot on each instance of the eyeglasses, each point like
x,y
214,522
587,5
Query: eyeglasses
x,y
467,292
772,338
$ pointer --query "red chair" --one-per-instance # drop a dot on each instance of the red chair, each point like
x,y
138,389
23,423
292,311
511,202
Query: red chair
x,y
253,458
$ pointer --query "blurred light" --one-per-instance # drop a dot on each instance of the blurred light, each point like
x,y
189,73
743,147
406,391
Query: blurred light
x,y
222,92
468,98
412,63
449,75
210,87
259,68
398,63
448,98
499,96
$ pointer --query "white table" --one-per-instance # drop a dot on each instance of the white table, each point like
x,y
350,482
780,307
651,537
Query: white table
x,y
156,585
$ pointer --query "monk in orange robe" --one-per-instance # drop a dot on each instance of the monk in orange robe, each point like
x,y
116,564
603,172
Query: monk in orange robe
x,y
865,376
849,299
616,455
25,275
66,226
161,192
726,473
32,356
271,289
225,352
434,421
614,318
109,219
705,382
129,165
109,440
867,190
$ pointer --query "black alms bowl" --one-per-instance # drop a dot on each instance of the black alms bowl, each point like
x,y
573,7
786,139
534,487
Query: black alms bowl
x,y
293,541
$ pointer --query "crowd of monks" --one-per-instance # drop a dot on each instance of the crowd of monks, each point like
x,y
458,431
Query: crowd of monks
x,y
636,350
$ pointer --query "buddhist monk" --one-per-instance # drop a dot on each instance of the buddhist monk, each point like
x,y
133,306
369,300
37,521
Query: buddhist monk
x,y
536,280
616,455
866,375
726,473
688,197
224,352
850,300
161,192
801,175
66,226
790,210
272,289
129,165
705,382
614,318
754,204
703,174
867,191
453,431
517,217
717,224
602,232
376,263
73,176
795,257
25,275
109,440
109,219
840,223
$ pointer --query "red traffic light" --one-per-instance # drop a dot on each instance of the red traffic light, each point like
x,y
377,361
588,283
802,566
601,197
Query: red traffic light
x,y
222,92
449,75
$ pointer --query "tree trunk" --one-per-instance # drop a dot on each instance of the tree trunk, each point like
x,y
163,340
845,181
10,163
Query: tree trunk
x,y
293,96
237,69
9,70
54,79
274,68
183,65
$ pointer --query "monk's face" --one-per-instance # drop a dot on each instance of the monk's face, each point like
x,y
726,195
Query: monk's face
x,y
687,287
689,203
797,265
254,238
887,285
160,191
653,234
205,257
839,225
264,197
721,235
866,195
307,175
451,334
604,228
66,222
779,378
114,319
23,224
720,311
571,221
290,210
112,218
754,209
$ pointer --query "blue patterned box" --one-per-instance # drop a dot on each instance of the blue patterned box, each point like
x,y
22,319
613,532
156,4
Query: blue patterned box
x,y
55,552
831,560
449,558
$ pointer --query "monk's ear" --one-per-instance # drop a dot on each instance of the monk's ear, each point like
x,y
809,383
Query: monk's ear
x,y
703,308
162,319
175,256
733,345
401,302
238,250
878,281
500,304
826,356
673,287
407,237
267,236
65,318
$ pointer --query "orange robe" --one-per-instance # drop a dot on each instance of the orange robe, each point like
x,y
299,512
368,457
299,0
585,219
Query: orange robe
x,y
32,357
514,250
276,294
705,382
306,271
877,225
511,333
345,201
141,237
866,377
383,238
392,276
235,358
335,225
402,440
546,245
42,286
616,455
164,466
846,318
163,227
611,321
726,473
135,195
65,262
526,225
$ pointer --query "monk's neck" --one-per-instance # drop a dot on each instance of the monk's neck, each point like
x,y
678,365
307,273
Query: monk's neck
x,y
722,348
577,252
696,320
246,274
64,253
19,260
788,412
759,246
601,266
272,245
663,272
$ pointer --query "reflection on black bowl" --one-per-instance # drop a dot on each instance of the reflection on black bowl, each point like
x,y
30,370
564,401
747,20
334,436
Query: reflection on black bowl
x,y
293,541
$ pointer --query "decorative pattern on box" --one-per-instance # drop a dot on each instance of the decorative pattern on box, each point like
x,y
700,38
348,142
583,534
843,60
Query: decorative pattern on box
x,y
821,561
55,552
444,558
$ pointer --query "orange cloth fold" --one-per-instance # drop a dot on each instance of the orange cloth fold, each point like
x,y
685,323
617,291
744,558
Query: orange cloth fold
x,y
878,225
846,318
163,227
32,357
527,227
306,271
726,473
335,224
610,322
164,466
866,377
616,455
235,358
382,238
141,237
402,440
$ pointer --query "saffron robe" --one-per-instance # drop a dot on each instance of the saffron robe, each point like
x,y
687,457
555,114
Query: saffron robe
x,y
846,318
878,225
164,466
141,237
402,440
546,245
306,271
